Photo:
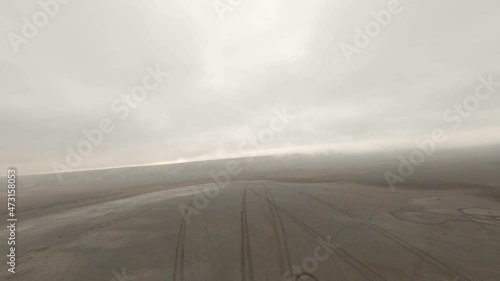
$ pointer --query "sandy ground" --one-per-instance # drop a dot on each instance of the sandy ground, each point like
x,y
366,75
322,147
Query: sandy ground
x,y
280,225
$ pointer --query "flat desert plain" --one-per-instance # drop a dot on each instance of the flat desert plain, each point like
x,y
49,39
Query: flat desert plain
x,y
294,217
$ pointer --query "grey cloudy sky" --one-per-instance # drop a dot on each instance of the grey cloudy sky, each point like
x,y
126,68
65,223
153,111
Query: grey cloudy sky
x,y
227,77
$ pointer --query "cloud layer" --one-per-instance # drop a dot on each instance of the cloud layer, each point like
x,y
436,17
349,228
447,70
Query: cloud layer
x,y
227,77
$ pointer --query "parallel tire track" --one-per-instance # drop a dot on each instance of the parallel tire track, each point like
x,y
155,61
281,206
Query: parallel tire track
x,y
278,239
179,250
423,255
361,268
280,233
246,252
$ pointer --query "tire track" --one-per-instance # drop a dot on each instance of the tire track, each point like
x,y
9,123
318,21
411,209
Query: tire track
x,y
246,252
423,255
280,233
278,239
178,273
357,265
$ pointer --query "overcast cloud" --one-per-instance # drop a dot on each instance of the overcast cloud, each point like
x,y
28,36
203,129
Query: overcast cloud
x,y
228,77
